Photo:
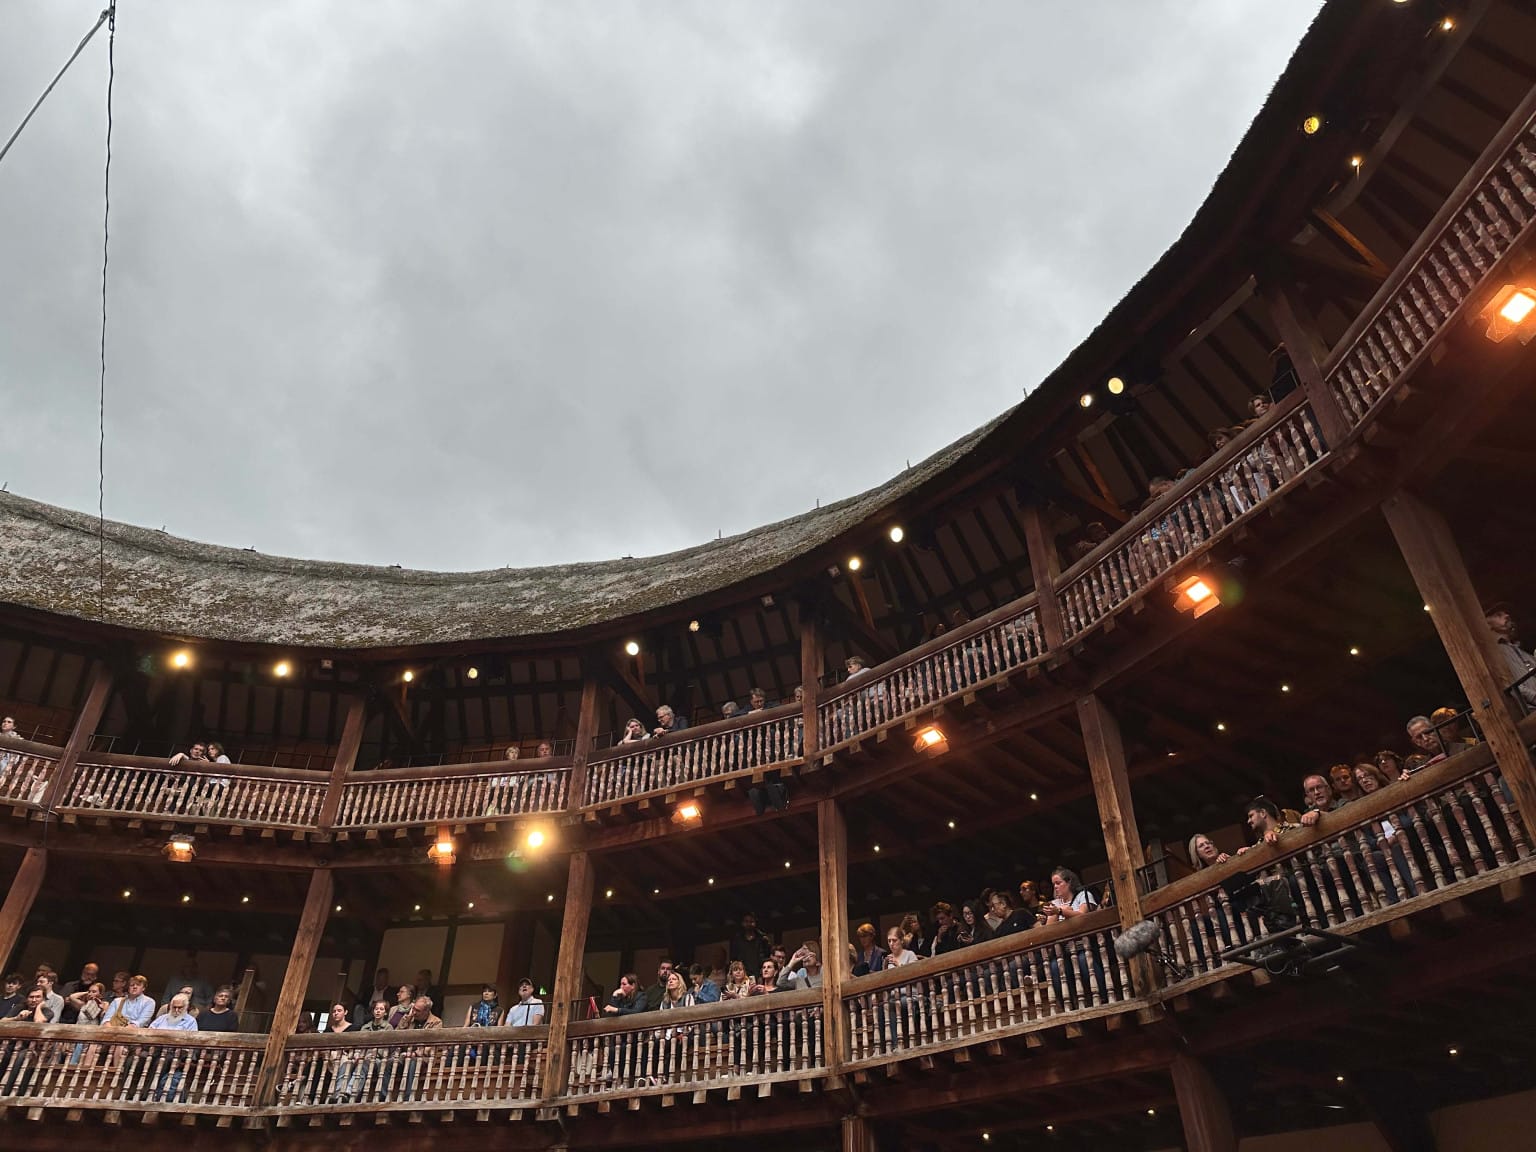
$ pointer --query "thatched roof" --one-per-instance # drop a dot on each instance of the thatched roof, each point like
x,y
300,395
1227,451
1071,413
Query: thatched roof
x,y
160,583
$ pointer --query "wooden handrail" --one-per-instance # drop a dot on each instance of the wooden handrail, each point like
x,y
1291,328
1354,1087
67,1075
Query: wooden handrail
x,y
200,767
725,1009
1098,921
459,771
736,723
411,1037
1452,206
1358,813
149,1037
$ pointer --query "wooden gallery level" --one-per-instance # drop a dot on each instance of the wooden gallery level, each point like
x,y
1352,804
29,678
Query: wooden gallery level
x,y
1055,663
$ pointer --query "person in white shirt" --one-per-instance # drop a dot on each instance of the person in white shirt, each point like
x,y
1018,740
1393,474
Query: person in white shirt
x,y
528,1010
173,1061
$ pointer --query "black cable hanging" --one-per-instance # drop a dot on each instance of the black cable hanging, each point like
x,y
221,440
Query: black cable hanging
x,y
101,400
108,14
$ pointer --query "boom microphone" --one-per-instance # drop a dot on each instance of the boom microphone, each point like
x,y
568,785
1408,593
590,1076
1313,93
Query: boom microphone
x,y
1137,940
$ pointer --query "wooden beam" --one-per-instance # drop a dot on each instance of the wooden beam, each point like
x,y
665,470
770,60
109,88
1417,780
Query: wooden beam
x,y
1299,334
346,759
569,972
858,1135
18,901
832,834
1122,839
1425,540
1334,227
852,627
80,736
285,1017
1347,277
1202,1107
610,669
812,668
1045,566
586,729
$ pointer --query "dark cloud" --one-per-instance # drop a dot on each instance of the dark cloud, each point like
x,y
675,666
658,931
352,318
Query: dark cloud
x,y
464,285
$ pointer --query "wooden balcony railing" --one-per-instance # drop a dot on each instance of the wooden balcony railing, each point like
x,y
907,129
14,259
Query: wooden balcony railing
x,y
113,1068
739,746
1492,210
195,791
406,797
440,1068
26,770
978,653
1264,461
1009,985
1378,857
763,1039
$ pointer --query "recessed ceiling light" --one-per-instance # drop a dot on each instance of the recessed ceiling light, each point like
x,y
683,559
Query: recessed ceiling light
x,y
1353,651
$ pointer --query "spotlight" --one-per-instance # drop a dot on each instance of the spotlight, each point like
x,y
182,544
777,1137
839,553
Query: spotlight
x,y
549,899
1034,796
472,672
774,795
1354,651
1356,161
442,850
897,534
1448,24
693,625
1508,313
536,838
930,739
1220,726
786,863
1196,594
181,659
1285,687
415,907
608,894
245,899
281,669
186,898
127,893
470,906
688,812
338,907
1312,125
711,881
1086,400
1116,385
632,647
877,847
408,676
854,563
180,849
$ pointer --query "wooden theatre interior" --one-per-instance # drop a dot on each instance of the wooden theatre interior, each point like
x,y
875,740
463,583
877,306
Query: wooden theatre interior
x,y
1062,669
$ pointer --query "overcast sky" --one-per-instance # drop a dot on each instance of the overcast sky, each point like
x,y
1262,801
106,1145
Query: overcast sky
x,y
458,285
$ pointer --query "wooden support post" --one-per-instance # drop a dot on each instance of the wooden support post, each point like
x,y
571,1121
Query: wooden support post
x,y
858,1135
812,668
346,759
569,972
18,902
586,729
1298,332
1045,567
80,735
1433,558
832,834
1202,1108
1122,839
306,944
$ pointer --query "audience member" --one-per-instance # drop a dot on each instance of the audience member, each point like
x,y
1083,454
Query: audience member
x,y
1319,796
421,1015
486,1011
1421,731
654,993
1203,852
545,748
89,974
33,1010
8,728
188,977
627,998
338,1021
1069,898
220,1015
867,956
529,1009
54,1001
1265,821
14,998
175,1018
1342,777
705,990
973,927
667,721
749,945
675,992
757,700
769,981
737,983
216,753
1518,663
86,1007
403,997
897,954
380,1019
634,732
425,986
804,968
198,753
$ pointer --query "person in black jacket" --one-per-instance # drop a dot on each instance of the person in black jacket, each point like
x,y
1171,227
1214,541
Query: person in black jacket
x,y
946,932
749,945
627,999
